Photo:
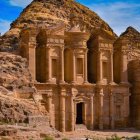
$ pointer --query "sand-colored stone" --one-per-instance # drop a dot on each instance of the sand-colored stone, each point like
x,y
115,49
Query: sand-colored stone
x,y
72,75
79,71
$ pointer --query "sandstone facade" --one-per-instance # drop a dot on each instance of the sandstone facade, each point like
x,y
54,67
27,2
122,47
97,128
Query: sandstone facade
x,y
79,71
73,73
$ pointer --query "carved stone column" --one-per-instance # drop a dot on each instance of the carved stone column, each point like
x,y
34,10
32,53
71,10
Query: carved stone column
x,y
91,113
32,59
101,103
72,117
62,65
85,113
62,110
126,112
74,67
124,72
75,111
111,68
111,110
99,68
49,104
49,69
85,69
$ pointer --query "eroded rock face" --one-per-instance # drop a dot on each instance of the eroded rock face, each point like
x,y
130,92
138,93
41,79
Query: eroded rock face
x,y
14,73
14,110
15,79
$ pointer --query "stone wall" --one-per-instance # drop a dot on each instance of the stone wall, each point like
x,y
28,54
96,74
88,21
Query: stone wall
x,y
39,121
134,78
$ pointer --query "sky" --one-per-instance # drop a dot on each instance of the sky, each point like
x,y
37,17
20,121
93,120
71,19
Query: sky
x,y
119,14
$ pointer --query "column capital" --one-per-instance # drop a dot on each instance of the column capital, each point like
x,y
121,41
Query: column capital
x,y
49,94
61,48
63,93
101,94
124,52
32,45
91,95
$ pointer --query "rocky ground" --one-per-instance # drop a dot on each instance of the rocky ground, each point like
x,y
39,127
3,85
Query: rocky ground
x,y
82,134
15,132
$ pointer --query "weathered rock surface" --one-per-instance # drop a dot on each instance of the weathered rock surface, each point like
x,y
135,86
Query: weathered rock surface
x,y
51,12
15,80
14,73
14,110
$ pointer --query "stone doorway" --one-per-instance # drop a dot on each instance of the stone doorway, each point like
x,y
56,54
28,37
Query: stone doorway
x,y
79,113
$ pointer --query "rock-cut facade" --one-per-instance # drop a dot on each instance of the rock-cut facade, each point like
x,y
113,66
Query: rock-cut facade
x,y
80,77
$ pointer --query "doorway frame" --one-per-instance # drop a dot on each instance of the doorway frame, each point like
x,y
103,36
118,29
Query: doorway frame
x,y
83,112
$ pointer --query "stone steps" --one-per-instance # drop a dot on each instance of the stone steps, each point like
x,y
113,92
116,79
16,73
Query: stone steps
x,y
80,127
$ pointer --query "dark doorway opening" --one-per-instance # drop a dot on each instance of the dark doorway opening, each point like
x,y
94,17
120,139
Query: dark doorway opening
x,y
79,117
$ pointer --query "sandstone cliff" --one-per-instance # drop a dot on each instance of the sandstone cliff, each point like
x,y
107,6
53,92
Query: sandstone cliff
x,y
15,79
51,12
14,73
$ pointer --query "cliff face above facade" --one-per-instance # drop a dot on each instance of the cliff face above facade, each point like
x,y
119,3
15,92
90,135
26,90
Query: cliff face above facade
x,y
51,12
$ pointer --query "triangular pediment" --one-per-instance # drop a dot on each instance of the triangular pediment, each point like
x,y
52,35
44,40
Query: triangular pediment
x,y
103,35
58,29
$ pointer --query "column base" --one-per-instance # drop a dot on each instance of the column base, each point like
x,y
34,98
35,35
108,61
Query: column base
x,y
112,83
73,82
101,126
62,130
49,81
72,128
91,127
62,82
100,83
86,82
112,126
125,83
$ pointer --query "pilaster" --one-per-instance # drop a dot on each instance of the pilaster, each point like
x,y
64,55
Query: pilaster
x,y
72,120
91,112
74,67
101,103
85,67
99,68
49,104
32,59
124,71
62,110
111,109
62,65
48,59
111,68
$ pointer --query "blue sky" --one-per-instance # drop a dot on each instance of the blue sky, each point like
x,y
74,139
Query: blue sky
x,y
119,14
